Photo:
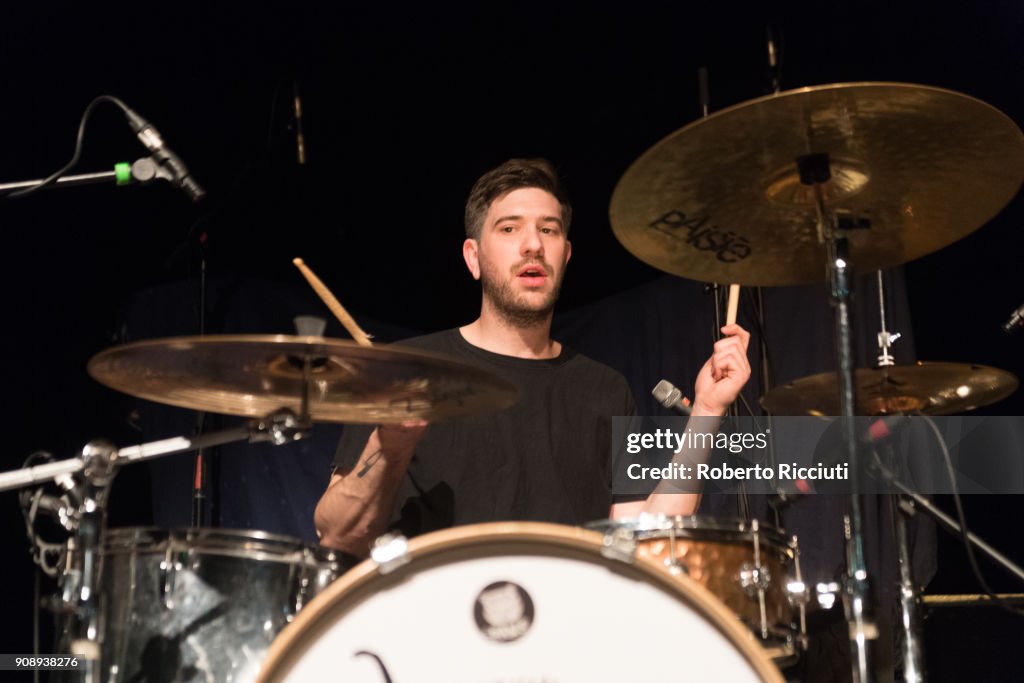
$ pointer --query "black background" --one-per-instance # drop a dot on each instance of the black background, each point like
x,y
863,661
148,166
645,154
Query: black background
x,y
404,107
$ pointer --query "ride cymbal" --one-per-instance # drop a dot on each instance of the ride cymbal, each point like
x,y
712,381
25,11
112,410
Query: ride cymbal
x,y
914,168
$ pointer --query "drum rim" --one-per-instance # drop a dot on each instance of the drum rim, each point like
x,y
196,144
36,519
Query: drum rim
x,y
251,544
282,651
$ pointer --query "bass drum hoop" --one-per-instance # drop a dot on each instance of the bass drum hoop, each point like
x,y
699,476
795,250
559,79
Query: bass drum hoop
x,y
501,537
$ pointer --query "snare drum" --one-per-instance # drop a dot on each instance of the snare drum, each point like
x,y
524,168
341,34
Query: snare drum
x,y
512,601
201,605
749,566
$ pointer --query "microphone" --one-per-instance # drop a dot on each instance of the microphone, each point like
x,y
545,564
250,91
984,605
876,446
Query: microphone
x,y
672,398
1016,320
150,137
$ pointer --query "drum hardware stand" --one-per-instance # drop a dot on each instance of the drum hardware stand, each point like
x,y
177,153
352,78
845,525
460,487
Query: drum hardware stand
x,y
911,650
715,289
815,172
704,94
885,338
909,502
89,491
200,464
779,500
81,579
914,502
918,502
972,600
766,386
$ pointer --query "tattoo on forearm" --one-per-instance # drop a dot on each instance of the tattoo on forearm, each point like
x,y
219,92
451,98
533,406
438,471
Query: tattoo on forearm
x,y
370,461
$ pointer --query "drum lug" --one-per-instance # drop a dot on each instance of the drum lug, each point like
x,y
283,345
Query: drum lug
x,y
168,571
754,578
619,545
826,594
300,587
390,552
797,593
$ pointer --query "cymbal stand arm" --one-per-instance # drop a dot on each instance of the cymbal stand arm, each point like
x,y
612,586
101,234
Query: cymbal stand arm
x,y
279,427
911,499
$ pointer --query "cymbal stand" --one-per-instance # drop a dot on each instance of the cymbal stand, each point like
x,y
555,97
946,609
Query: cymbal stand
x,y
81,578
87,479
911,647
742,499
815,172
914,502
885,338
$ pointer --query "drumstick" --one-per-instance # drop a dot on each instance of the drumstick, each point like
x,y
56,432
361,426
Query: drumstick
x,y
337,309
734,304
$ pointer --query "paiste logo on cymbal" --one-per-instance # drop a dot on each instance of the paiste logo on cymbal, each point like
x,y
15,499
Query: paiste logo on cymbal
x,y
699,233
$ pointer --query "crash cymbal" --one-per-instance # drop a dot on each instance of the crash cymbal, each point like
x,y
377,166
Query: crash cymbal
x,y
929,388
254,375
720,200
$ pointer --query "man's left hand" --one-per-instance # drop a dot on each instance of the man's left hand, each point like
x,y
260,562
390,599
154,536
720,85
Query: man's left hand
x,y
724,374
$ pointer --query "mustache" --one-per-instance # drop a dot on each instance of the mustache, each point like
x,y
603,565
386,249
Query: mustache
x,y
543,265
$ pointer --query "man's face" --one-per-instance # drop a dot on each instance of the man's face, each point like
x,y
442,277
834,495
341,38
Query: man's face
x,y
521,255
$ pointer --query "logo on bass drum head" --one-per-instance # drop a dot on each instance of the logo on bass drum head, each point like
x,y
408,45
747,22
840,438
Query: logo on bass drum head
x,y
503,611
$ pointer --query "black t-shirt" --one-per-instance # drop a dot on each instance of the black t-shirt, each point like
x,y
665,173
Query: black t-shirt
x,y
546,458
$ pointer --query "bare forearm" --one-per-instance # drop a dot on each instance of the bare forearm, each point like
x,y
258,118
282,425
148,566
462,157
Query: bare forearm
x,y
357,505
670,498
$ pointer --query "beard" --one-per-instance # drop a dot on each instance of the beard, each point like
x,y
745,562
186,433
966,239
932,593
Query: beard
x,y
514,307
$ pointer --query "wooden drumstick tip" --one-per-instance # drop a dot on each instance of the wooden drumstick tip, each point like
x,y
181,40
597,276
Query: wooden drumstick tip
x,y
733,305
333,304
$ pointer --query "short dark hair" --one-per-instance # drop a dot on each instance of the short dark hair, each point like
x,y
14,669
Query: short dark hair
x,y
514,174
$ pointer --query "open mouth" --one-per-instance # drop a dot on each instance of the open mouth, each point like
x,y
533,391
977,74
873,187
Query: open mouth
x,y
533,275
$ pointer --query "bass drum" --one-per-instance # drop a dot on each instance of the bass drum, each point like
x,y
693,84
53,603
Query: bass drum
x,y
512,601
200,605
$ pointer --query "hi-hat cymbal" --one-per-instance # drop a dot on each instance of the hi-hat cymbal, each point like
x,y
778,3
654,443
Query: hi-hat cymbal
x,y
254,375
720,200
929,388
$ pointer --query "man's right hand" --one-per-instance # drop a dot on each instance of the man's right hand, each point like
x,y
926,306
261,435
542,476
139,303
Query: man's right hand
x,y
357,505
401,437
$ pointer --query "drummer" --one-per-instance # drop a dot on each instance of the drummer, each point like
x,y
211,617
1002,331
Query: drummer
x,y
546,458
